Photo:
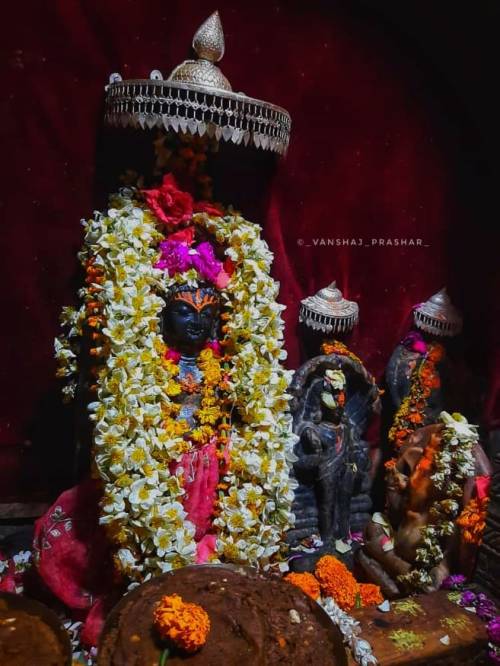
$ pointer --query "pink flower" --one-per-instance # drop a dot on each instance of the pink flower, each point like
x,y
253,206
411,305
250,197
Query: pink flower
x,y
415,342
177,257
174,257
172,355
222,280
214,345
205,262
168,203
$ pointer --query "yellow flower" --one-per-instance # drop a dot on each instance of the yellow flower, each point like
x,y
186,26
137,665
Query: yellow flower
x,y
170,367
123,481
175,429
202,435
171,409
209,415
206,355
212,374
173,388
138,456
117,456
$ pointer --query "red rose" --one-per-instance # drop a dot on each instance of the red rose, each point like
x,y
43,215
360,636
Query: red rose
x,y
168,203
183,236
208,208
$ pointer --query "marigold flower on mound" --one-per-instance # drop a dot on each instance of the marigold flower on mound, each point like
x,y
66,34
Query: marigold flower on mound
x,y
337,581
370,594
306,582
185,624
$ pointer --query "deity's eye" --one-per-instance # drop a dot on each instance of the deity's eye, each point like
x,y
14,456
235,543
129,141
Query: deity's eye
x,y
183,309
207,313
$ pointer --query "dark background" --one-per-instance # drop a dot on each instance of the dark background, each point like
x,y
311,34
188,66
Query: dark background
x,y
395,135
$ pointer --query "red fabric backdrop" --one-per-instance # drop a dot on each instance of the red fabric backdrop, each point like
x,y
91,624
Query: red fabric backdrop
x,y
386,143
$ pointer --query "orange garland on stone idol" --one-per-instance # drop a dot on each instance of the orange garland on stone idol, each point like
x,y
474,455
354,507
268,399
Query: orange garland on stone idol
x,y
184,624
472,520
411,413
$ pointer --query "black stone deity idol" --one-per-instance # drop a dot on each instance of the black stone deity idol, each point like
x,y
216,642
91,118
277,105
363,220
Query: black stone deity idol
x,y
190,318
333,397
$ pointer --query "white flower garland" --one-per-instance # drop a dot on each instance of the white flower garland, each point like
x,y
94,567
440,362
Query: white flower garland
x,y
142,500
350,629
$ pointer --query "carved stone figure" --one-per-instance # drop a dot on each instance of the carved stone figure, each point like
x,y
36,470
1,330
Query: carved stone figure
x,y
333,397
419,369
392,541
190,322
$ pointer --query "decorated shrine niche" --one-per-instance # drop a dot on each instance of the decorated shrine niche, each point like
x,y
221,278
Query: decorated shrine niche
x,y
225,511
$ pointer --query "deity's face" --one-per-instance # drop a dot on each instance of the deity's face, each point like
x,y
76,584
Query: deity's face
x,y
190,318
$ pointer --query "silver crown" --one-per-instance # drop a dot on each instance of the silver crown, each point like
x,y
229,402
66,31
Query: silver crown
x,y
198,99
438,316
329,311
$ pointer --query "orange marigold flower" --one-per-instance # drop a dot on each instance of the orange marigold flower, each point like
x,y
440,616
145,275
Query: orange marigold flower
x,y
390,464
337,581
370,594
306,582
435,353
94,321
436,382
327,348
472,520
184,624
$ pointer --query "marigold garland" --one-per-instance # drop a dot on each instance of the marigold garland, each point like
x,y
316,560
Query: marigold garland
x,y
411,413
472,520
136,435
336,347
185,624
306,582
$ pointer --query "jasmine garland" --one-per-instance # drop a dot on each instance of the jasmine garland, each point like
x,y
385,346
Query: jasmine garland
x,y
142,501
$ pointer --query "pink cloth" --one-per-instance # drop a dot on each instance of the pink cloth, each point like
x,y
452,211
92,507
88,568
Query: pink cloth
x,y
483,486
201,477
74,558
71,551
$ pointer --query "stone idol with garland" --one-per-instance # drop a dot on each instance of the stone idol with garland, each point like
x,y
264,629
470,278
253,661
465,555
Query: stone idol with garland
x,y
437,475
426,541
174,548
420,377
334,397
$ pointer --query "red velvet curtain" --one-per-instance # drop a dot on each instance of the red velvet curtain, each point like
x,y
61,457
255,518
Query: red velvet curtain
x,y
380,150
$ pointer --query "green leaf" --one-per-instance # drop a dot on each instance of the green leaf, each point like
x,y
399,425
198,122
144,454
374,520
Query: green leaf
x,y
163,657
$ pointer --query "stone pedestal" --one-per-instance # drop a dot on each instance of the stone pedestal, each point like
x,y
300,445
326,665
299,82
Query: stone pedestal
x,y
443,633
